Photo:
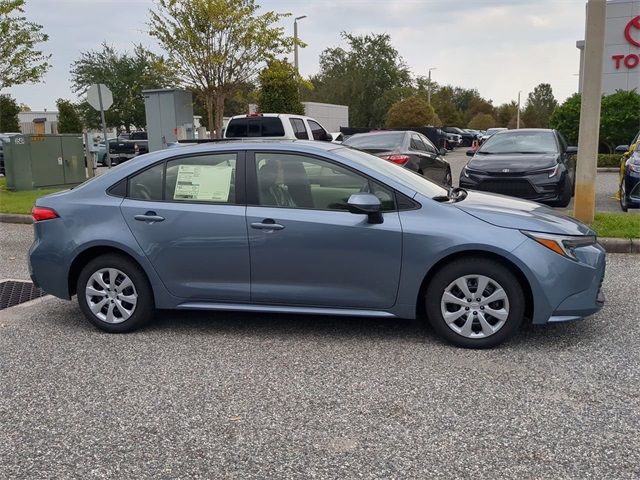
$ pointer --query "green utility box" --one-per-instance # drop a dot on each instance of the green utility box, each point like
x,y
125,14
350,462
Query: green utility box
x,y
37,161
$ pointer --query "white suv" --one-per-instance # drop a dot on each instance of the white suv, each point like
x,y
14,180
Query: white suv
x,y
276,126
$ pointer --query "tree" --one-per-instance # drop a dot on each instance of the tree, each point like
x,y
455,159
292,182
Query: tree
x,y
411,113
540,106
220,45
359,76
620,118
482,121
20,60
279,84
68,117
9,110
513,123
443,101
505,112
126,75
566,118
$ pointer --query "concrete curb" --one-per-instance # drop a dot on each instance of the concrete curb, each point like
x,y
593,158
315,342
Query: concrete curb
x,y
608,169
611,245
15,218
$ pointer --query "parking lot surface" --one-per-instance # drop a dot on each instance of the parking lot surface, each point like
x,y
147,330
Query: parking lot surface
x,y
200,395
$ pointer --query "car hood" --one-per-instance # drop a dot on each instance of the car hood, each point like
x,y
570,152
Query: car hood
x,y
510,212
514,162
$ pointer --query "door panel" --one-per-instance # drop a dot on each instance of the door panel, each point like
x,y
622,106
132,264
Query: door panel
x,y
199,251
324,258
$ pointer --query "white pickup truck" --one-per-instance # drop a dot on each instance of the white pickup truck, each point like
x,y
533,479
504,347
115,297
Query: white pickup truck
x,y
276,126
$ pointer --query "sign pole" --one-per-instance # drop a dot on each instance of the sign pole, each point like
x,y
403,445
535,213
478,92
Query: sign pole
x,y
588,137
104,127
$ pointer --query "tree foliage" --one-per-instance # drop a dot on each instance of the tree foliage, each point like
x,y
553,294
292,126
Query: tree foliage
x,y
9,110
505,112
360,76
619,118
411,113
279,88
482,121
126,74
68,117
20,60
540,106
220,45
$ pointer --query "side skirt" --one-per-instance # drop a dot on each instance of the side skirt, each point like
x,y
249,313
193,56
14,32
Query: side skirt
x,y
240,307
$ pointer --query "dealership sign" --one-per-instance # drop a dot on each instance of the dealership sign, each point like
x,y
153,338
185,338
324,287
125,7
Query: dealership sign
x,y
632,34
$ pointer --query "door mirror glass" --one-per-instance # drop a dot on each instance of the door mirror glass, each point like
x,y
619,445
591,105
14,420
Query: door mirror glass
x,y
442,151
572,150
622,148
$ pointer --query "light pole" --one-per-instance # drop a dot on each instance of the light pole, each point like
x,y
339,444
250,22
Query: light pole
x,y
295,41
518,114
429,89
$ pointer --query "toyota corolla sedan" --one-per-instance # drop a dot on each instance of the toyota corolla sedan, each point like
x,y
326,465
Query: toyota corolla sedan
x,y
533,164
309,228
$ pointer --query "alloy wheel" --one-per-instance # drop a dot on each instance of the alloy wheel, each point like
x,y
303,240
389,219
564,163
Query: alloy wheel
x,y
475,306
111,295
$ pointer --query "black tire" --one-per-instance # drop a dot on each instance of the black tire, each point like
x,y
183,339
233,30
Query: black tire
x,y
475,266
144,308
566,194
448,178
623,197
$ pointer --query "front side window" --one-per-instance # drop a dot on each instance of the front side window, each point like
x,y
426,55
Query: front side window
x,y
317,131
297,181
206,178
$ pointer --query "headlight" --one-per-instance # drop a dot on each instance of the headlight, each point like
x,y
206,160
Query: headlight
x,y
562,244
634,162
553,171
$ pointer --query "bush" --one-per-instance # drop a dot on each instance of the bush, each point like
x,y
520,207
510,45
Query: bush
x,y
608,160
410,113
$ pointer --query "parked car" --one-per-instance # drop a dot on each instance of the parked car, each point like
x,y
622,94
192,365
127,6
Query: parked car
x,y
408,149
490,131
453,140
309,228
128,146
4,138
534,164
629,192
467,137
277,126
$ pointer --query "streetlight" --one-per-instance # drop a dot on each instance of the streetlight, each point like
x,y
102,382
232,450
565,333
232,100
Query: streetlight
x,y
295,40
518,114
429,90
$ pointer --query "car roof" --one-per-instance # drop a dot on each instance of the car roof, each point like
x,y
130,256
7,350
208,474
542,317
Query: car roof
x,y
259,115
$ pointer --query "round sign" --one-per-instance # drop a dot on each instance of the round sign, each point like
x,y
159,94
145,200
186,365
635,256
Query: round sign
x,y
633,25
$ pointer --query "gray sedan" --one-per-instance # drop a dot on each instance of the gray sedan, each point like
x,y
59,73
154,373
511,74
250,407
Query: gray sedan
x,y
310,228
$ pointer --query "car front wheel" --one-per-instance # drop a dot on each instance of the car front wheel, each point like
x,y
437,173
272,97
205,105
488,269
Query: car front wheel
x,y
475,303
114,294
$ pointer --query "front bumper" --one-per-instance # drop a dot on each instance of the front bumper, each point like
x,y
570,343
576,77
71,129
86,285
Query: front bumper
x,y
537,188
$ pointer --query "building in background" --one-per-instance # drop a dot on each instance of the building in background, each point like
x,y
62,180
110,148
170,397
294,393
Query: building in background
x,y
621,67
38,122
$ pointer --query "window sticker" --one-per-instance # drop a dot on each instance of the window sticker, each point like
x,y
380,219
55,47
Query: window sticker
x,y
210,183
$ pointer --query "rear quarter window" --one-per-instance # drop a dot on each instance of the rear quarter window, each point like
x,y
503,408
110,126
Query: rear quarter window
x,y
255,127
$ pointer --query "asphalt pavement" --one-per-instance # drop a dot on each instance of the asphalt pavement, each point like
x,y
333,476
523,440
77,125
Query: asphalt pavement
x,y
203,395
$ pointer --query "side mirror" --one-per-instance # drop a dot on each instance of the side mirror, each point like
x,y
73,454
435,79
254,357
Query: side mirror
x,y
572,150
471,153
366,204
442,151
622,148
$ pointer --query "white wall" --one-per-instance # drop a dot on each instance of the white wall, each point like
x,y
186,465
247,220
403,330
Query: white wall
x,y
331,116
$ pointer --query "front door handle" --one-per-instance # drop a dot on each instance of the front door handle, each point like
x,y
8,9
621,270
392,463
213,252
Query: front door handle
x,y
267,224
149,217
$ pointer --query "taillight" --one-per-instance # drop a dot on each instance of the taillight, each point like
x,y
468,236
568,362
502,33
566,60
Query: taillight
x,y
43,213
397,159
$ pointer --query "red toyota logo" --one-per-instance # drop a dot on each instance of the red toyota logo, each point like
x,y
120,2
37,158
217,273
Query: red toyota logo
x,y
634,23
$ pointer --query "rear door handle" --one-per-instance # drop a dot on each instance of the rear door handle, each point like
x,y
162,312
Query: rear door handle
x,y
149,217
267,224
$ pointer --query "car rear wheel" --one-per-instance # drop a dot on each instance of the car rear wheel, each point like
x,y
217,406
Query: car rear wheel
x,y
114,294
475,303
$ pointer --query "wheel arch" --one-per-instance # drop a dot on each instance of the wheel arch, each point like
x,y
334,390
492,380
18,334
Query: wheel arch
x,y
511,266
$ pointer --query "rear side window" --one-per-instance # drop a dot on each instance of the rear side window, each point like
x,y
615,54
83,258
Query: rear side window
x,y
206,178
299,129
317,131
255,127
147,185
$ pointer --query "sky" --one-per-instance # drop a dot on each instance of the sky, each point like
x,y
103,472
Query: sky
x,y
498,47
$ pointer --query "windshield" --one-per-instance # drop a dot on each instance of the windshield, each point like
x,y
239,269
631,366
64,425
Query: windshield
x,y
400,174
515,141
387,141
